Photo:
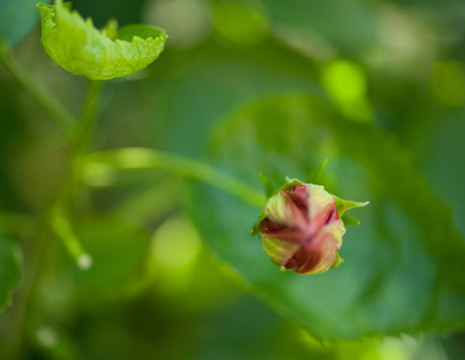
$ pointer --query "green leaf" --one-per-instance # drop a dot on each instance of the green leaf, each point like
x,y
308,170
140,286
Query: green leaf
x,y
403,269
10,271
77,46
337,262
269,67
441,147
17,17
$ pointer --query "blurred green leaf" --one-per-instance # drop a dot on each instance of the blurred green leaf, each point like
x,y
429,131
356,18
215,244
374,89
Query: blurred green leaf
x,y
404,265
10,271
348,24
441,158
77,46
224,80
17,17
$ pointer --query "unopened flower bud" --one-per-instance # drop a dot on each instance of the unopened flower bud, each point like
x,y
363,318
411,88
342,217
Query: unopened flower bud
x,y
301,229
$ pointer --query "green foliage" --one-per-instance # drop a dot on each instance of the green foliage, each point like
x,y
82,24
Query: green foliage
x,y
77,46
10,272
406,249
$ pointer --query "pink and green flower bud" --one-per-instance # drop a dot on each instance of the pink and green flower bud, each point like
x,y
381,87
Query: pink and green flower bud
x,y
301,228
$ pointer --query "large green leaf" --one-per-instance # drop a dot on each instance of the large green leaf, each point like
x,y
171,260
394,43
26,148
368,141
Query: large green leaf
x,y
10,272
440,145
77,46
222,79
17,17
404,264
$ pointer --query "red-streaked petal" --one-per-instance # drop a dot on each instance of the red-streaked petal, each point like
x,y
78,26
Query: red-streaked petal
x,y
279,251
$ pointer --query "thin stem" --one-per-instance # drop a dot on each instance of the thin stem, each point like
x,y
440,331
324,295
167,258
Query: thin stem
x,y
80,141
82,133
44,98
62,227
148,159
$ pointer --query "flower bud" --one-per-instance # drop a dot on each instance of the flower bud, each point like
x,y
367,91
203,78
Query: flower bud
x,y
301,229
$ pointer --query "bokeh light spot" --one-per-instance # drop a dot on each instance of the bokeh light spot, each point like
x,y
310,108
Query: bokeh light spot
x,y
185,21
240,24
46,337
175,244
344,80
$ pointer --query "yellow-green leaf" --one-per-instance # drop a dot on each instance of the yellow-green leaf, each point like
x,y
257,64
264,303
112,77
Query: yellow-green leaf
x,y
77,46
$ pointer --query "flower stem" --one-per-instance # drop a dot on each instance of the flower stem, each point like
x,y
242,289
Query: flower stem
x,y
149,159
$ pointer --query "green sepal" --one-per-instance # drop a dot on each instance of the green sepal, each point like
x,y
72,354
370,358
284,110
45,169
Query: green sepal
x,y
343,205
77,46
338,261
350,220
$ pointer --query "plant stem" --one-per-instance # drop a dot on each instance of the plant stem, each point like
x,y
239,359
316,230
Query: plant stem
x,y
149,159
44,98
60,211
82,134
62,227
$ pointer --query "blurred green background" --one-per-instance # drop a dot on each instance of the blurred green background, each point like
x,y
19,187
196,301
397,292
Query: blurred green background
x,y
237,81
